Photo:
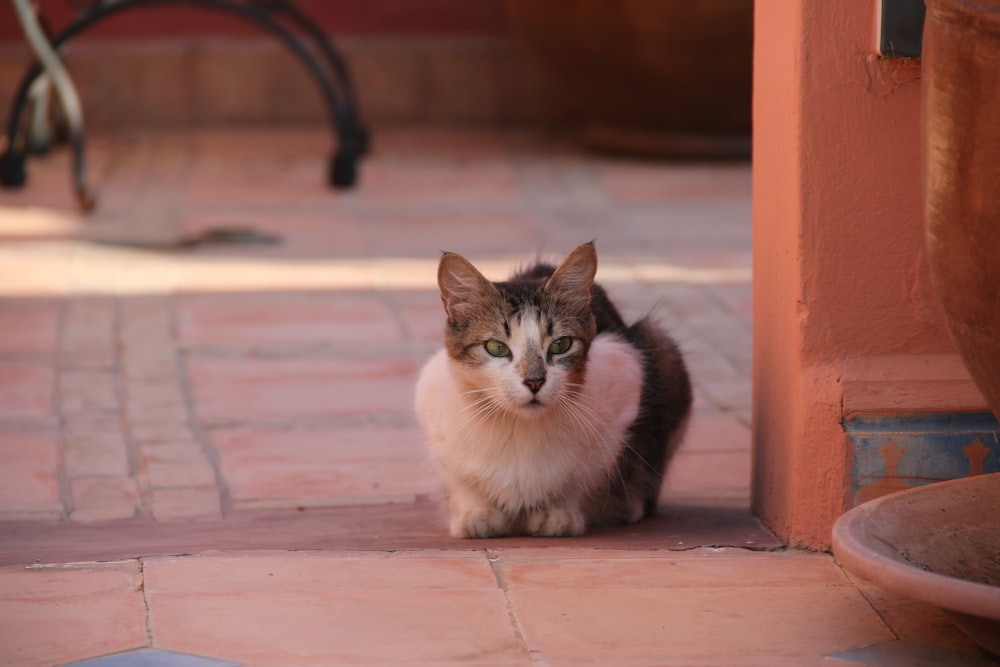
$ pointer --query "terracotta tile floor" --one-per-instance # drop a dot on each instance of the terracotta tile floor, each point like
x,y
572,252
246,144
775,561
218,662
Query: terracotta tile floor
x,y
207,451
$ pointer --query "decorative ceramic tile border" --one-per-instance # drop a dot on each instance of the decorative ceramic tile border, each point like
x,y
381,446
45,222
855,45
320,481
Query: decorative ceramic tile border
x,y
897,452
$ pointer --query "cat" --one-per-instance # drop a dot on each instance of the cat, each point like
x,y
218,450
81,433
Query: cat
x,y
544,413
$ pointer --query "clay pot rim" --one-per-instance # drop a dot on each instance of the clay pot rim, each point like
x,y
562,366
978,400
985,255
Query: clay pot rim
x,y
851,547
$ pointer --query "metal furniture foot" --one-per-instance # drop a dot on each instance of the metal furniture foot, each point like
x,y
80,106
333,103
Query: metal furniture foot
x,y
281,18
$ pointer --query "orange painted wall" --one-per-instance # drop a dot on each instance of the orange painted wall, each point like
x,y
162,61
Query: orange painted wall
x,y
845,319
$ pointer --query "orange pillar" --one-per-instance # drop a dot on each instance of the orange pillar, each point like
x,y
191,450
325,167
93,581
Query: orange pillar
x,y
845,320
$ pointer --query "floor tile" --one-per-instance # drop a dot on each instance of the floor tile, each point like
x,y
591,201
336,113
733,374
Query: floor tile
x,y
329,610
729,394
913,620
701,473
29,328
94,450
260,183
162,474
698,623
705,567
87,333
738,299
403,570
323,466
668,659
423,318
29,486
709,432
31,273
304,233
635,181
84,393
243,272
428,234
256,389
26,391
433,184
705,233
36,222
56,614
186,503
97,498
276,319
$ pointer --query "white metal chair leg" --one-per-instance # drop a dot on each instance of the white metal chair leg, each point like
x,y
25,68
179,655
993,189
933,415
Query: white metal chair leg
x,y
65,91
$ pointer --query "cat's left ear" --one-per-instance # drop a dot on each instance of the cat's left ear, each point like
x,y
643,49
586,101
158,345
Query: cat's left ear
x,y
574,279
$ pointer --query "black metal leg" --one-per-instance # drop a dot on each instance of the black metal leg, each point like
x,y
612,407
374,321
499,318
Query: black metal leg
x,y
341,76
354,138
13,170
333,80
14,165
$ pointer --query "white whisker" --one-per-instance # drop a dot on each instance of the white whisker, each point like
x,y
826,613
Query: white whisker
x,y
478,411
585,415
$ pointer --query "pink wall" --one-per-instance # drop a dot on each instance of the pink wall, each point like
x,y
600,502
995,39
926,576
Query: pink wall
x,y
845,320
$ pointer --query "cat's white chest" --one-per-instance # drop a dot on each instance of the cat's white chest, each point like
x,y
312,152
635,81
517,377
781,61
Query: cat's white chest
x,y
524,461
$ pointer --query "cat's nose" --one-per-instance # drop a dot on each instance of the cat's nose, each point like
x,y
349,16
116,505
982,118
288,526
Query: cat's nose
x,y
534,384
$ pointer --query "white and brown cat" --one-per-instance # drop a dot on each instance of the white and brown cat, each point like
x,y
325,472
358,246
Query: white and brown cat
x,y
545,413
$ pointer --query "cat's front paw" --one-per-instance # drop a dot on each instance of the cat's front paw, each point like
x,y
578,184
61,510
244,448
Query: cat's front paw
x,y
482,522
556,522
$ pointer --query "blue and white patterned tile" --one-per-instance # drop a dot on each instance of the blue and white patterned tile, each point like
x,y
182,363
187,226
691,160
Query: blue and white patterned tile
x,y
896,452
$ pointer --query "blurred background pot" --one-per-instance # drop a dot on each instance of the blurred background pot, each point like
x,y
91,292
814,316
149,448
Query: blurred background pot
x,y
661,77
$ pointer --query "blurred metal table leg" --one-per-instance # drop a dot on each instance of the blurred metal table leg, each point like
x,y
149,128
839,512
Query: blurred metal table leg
x,y
13,168
315,52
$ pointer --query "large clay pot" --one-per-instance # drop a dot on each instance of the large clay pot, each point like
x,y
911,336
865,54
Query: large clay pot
x,y
961,135
655,76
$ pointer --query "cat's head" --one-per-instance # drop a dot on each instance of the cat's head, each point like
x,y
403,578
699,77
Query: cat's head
x,y
520,345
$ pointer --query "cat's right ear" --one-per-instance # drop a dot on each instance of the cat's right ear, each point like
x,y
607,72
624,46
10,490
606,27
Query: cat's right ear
x,y
463,287
574,279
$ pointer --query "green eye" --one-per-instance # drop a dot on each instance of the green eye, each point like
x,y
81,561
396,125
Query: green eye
x,y
497,348
560,345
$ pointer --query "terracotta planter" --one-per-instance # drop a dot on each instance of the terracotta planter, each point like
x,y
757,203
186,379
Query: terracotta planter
x,y
936,543
654,76
961,126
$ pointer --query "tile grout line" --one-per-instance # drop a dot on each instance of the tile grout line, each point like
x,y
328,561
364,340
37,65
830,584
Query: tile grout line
x,y
493,560
133,451
62,478
868,601
194,425
121,392
145,602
